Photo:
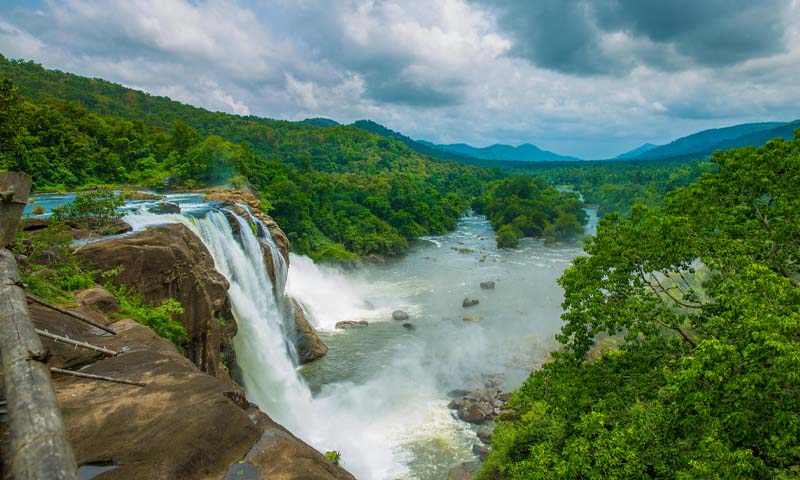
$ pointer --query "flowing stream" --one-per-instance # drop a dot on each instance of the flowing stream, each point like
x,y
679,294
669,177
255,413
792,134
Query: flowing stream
x,y
380,394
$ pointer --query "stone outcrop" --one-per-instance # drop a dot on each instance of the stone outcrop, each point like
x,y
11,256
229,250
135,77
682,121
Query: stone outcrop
x,y
307,343
183,424
171,262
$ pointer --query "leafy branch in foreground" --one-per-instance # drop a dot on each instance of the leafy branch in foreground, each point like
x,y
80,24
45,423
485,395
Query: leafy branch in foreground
x,y
705,290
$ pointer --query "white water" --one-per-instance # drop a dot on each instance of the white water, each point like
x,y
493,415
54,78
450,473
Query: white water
x,y
364,422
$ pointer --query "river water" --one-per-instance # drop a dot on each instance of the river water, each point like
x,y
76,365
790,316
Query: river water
x,y
380,394
389,384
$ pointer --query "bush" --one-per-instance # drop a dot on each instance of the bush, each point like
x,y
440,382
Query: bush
x,y
160,318
333,456
507,237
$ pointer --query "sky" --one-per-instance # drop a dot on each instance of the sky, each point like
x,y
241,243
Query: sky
x,y
589,78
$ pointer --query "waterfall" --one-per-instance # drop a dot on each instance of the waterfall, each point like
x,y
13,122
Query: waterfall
x,y
361,421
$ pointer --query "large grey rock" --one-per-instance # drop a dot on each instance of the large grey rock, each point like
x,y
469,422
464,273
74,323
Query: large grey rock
x,y
400,315
469,302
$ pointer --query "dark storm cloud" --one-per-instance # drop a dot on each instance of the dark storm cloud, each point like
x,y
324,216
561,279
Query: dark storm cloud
x,y
613,36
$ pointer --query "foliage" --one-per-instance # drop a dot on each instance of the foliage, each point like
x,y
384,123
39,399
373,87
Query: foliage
x,y
617,185
333,456
51,270
705,290
94,210
339,192
160,318
521,206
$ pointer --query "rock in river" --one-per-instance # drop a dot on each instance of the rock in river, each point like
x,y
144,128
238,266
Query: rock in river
x,y
165,207
351,324
469,302
471,318
400,315
487,285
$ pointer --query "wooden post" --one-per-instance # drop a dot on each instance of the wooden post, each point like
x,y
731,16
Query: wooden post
x,y
33,298
14,190
39,447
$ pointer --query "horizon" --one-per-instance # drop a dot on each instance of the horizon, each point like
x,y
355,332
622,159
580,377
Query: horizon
x,y
474,72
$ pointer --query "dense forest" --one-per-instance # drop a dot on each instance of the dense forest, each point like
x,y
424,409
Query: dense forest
x,y
340,192
700,299
522,206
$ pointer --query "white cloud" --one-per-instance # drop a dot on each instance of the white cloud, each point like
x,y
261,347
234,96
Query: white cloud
x,y
441,70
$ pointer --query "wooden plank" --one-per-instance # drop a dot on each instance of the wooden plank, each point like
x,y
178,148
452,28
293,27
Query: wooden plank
x,y
77,343
14,190
39,447
33,298
92,376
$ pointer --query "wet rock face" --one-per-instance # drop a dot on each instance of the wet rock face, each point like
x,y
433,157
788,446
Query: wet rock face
x,y
171,262
165,207
465,471
307,343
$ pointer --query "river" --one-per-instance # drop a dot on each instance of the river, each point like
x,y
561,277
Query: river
x,y
380,394
389,384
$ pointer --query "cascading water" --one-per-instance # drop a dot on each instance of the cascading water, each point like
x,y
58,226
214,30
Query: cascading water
x,y
345,417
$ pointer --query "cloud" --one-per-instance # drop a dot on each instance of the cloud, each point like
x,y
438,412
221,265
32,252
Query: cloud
x,y
614,36
582,78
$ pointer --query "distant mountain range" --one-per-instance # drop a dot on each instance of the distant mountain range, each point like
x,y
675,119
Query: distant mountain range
x,y
462,151
636,151
698,144
522,153
708,141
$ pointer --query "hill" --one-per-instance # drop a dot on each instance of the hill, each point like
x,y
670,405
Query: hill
x,y
708,141
320,122
525,152
339,192
421,147
636,151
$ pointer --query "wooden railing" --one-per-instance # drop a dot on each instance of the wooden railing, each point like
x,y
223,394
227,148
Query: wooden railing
x,y
39,447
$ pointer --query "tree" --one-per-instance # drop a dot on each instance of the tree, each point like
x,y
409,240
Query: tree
x,y
705,294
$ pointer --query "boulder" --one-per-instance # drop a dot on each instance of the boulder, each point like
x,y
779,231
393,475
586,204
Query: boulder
x,y
169,261
469,302
481,450
409,326
485,434
487,285
471,318
99,298
345,324
306,341
400,315
476,412
465,471
165,207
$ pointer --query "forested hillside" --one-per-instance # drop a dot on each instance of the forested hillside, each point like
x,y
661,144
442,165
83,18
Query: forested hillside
x,y
702,296
340,192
